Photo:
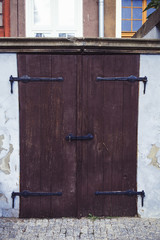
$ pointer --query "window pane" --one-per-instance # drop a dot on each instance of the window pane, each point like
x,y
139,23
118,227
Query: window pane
x,y
66,12
137,3
126,25
69,35
42,34
1,21
64,35
39,35
136,25
137,13
42,12
1,7
126,13
126,3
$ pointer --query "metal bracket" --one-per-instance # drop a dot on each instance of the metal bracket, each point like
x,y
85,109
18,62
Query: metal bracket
x,y
128,193
128,79
26,194
70,137
26,79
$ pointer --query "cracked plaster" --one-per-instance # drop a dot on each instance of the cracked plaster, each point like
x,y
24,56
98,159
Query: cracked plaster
x,y
4,162
153,156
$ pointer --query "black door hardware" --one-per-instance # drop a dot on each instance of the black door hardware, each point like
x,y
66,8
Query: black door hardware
x,y
70,137
26,194
128,193
27,79
128,79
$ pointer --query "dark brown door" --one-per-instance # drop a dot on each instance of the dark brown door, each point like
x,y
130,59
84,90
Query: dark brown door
x,y
47,115
108,110
49,111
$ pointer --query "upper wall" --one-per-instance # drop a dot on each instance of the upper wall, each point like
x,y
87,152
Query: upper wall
x,y
5,26
110,18
17,18
90,18
91,21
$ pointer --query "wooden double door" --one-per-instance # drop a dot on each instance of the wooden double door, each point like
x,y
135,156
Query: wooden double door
x,y
78,105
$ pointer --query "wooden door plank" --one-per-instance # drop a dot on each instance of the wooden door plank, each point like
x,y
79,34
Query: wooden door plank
x,y
79,146
46,149
55,140
130,120
30,137
64,101
90,116
112,134
117,137
96,117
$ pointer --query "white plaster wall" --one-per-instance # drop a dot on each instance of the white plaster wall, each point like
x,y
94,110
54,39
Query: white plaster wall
x,y
149,137
153,34
9,137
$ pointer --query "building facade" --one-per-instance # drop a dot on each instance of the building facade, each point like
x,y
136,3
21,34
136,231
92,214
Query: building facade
x,y
38,153
5,18
53,18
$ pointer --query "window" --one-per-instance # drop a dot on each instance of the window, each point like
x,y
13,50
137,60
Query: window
x,y
133,16
1,13
53,18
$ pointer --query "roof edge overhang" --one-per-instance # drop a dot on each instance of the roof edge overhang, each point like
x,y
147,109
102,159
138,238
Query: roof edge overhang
x,y
79,45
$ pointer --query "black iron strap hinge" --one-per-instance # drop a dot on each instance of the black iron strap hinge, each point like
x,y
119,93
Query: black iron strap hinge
x,y
27,79
128,193
26,194
131,79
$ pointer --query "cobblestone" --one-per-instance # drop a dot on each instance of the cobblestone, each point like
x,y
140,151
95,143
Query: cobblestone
x,y
80,229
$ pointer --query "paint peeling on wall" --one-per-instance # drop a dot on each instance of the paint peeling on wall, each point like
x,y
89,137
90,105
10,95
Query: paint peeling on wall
x,y
4,162
1,143
153,156
3,198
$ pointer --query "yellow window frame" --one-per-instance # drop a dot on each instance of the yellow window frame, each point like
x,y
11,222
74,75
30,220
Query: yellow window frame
x,y
144,18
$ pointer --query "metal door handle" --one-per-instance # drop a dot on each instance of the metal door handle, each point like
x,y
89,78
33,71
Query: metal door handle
x,y
70,137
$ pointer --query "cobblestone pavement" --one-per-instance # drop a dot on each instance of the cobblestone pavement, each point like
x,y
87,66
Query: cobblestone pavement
x,y
74,229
